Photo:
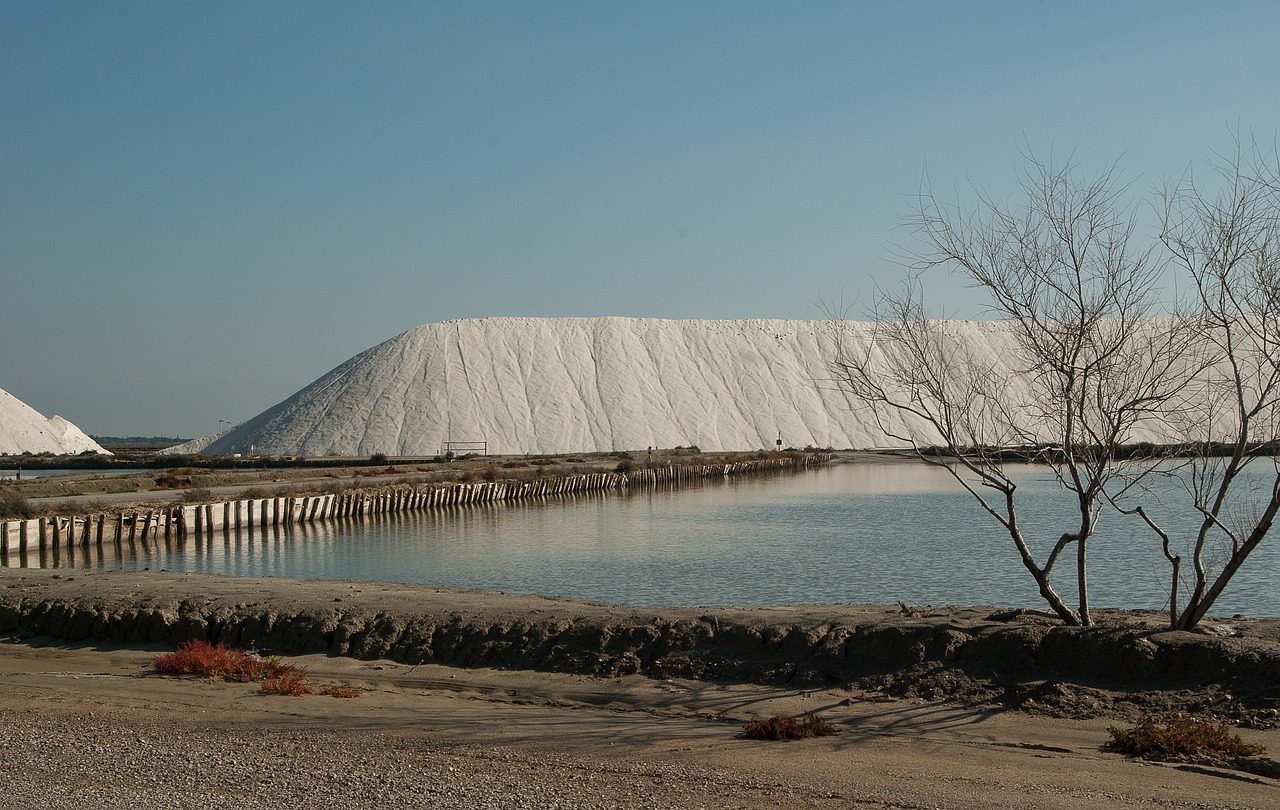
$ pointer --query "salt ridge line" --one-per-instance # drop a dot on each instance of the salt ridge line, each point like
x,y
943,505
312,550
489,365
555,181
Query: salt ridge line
x,y
56,533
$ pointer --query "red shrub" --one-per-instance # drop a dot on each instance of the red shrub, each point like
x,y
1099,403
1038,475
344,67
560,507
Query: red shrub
x,y
779,727
289,681
198,657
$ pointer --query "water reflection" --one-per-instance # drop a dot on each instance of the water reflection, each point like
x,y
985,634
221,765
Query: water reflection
x,y
846,533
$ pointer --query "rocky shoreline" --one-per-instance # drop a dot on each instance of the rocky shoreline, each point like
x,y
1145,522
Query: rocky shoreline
x,y
1129,661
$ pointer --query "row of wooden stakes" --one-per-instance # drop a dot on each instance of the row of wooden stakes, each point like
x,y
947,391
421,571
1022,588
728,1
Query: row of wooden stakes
x,y
235,515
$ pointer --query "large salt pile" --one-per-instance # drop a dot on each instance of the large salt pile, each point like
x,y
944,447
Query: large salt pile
x,y
24,430
556,385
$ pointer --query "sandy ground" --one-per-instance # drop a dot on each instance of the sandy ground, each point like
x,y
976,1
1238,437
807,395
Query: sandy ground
x,y
94,726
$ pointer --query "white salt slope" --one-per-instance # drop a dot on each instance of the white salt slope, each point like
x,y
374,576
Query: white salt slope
x,y
193,447
557,385
24,430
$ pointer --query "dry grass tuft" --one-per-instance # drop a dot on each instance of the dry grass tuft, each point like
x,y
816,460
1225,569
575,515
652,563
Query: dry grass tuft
x,y
779,727
1183,738
291,681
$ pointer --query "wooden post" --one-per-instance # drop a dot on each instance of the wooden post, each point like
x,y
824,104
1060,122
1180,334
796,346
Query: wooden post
x,y
208,518
57,532
4,537
43,526
263,509
238,505
119,527
22,537
199,521
133,528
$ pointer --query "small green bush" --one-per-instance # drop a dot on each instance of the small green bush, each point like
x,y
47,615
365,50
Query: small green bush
x,y
1182,738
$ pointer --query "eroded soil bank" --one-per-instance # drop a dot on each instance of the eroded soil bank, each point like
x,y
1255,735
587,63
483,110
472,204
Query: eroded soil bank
x,y
1128,664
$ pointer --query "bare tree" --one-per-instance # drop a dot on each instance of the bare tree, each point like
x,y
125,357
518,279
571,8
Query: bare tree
x,y
1228,242
1085,367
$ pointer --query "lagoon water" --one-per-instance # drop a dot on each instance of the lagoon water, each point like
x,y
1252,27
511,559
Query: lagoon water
x,y
874,533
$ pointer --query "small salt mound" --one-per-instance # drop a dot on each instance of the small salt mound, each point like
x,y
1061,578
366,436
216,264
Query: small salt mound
x,y
24,430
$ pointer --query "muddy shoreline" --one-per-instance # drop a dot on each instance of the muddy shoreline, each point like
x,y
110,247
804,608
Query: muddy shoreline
x,y
1129,662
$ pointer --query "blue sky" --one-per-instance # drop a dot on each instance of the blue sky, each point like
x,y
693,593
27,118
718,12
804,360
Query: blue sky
x,y
204,207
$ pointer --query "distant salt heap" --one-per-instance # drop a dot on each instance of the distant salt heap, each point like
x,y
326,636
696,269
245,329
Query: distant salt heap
x,y
24,430
559,385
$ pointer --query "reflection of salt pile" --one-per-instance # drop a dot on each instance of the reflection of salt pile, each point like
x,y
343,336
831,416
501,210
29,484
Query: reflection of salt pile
x,y
23,430
555,385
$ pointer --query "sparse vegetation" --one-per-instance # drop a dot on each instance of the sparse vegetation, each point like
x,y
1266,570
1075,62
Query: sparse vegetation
x,y
780,727
197,495
93,506
201,658
1181,739
291,681
340,691
15,505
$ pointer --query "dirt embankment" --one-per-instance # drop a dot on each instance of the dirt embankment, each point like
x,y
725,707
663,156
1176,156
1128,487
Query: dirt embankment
x,y
1129,663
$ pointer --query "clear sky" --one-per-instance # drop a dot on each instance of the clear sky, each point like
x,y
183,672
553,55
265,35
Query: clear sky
x,y
206,206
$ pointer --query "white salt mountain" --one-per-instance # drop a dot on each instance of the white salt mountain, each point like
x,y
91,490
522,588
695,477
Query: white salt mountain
x,y
559,385
25,430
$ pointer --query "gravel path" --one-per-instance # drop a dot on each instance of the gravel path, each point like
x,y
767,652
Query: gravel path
x,y
100,761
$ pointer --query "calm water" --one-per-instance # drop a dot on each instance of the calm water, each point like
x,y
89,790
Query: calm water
x,y
875,533
12,473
